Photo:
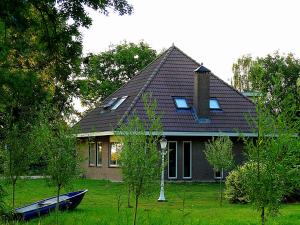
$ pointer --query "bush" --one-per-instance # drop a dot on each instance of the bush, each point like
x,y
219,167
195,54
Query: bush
x,y
235,189
236,186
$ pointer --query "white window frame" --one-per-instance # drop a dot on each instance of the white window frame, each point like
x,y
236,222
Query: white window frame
x,y
97,153
171,178
221,173
191,156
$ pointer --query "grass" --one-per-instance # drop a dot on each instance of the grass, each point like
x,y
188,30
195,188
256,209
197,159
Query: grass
x,y
100,206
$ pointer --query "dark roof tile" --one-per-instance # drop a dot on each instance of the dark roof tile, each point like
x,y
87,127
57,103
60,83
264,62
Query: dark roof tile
x,y
170,75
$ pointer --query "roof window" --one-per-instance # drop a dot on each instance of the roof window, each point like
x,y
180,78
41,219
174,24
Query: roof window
x,y
181,103
119,102
214,104
110,103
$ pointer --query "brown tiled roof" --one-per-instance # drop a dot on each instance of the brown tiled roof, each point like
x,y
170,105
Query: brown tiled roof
x,y
171,75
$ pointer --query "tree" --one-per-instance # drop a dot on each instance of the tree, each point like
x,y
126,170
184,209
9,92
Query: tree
x,y
62,157
17,151
139,156
105,72
40,41
274,76
240,69
274,158
218,153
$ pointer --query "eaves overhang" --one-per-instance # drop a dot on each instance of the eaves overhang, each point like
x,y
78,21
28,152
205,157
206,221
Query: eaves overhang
x,y
178,133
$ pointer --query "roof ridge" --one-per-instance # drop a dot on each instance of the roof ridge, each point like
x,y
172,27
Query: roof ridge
x,y
155,71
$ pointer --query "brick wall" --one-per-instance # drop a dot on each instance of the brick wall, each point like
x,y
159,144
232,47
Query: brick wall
x,y
99,172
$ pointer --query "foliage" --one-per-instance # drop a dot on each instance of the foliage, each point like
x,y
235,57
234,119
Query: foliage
x,y
62,157
18,152
275,154
241,80
2,203
235,184
274,76
107,71
40,54
218,153
139,156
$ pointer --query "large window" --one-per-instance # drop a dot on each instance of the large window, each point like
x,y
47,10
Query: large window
x,y
172,160
99,153
115,149
187,159
92,153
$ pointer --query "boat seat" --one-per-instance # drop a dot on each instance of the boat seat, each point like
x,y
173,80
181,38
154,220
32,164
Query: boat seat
x,y
53,200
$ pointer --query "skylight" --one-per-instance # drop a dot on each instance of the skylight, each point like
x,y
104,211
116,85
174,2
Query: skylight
x,y
119,102
214,104
110,103
181,103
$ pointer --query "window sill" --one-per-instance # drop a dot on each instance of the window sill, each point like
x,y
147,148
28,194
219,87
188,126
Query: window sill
x,y
114,166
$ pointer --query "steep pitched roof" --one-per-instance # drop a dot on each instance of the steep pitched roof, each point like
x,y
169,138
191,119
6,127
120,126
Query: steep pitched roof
x,y
172,75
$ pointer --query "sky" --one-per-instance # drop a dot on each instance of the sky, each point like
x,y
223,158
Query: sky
x,y
215,32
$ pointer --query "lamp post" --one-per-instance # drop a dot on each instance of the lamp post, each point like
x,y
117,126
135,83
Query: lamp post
x,y
163,146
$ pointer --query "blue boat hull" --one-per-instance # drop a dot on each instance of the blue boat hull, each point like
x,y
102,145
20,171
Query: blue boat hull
x,y
67,201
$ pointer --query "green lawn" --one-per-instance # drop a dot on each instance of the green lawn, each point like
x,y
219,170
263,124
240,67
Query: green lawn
x,y
201,206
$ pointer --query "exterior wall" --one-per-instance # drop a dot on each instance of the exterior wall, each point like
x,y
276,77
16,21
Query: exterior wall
x,y
99,172
201,170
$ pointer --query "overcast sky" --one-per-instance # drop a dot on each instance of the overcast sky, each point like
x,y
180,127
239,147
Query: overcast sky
x,y
215,32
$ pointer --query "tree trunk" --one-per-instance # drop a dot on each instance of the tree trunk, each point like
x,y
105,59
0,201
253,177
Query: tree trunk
x,y
136,208
221,197
13,193
262,215
57,203
128,198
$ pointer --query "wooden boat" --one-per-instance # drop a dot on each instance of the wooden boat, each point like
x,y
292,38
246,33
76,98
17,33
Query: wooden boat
x,y
67,201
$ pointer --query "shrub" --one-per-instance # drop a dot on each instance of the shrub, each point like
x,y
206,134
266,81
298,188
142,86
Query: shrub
x,y
235,189
236,181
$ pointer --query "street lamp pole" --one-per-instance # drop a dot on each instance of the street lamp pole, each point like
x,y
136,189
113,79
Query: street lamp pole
x,y
163,145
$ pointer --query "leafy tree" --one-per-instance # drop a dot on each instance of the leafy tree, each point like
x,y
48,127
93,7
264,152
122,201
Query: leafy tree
x,y
139,156
276,159
40,42
62,158
105,72
18,154
240,69
218,153
274,76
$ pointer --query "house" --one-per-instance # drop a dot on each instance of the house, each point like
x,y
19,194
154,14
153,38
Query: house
x,y
196,105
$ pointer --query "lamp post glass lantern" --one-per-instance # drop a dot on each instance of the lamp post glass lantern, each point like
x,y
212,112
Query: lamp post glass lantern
x,y
163,146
